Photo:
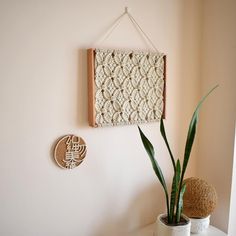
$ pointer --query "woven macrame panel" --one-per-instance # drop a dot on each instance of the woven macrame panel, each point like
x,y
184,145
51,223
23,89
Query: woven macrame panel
x,y
125,87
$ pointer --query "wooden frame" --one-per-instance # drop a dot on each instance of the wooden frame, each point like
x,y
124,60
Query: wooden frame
x,y
91,99
93,59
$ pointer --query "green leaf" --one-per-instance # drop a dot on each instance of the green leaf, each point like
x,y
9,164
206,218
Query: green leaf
x,y
190,140
180,203
174,190
150,151
192,132
163,133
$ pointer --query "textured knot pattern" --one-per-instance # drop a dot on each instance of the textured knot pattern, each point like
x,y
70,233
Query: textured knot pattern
x,y
200,198
128,87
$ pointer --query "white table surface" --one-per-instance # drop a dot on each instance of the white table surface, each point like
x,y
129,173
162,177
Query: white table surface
x,y
149,231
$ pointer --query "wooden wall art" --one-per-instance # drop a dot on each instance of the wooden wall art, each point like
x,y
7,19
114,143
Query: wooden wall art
x,y
70,151
125,87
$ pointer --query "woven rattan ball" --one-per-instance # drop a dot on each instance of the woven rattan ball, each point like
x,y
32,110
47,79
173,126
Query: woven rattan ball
x,y
199,199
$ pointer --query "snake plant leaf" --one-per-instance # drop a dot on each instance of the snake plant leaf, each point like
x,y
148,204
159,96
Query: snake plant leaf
x,y
180,203
163,133
174,190
150,151
189,144
192,132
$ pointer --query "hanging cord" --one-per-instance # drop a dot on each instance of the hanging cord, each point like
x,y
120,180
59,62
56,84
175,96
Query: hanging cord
x,y
141,30
110,30
117,22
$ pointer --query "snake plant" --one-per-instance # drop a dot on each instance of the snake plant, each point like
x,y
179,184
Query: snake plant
x,y
174,202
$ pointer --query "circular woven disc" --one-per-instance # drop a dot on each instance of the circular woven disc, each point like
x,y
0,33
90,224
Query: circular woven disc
x,y
200,198
70,151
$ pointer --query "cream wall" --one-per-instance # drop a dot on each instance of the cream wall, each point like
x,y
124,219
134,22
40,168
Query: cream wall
x,y
43,95
216,142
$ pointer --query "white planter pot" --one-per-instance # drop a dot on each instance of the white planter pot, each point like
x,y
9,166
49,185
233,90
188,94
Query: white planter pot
x,y
166,230
199,225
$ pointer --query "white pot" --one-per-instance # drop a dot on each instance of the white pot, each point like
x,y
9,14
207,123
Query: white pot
x,y
199,225
166,230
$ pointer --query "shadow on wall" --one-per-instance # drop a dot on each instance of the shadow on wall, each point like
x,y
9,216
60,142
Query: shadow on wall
x,y
142,211
82,95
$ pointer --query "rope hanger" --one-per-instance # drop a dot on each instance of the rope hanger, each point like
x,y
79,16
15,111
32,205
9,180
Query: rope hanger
x,y
117,22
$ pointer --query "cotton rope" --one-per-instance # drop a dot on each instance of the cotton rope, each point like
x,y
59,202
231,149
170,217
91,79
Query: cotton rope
x,y
117,22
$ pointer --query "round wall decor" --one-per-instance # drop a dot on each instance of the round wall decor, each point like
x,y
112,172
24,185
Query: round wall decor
x,y
70,151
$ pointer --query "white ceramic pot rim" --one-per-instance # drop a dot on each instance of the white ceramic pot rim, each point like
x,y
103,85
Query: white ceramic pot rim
x,y
174,226
200,219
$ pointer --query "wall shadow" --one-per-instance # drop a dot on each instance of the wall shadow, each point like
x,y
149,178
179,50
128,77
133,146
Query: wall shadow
x,y
82,94
142,211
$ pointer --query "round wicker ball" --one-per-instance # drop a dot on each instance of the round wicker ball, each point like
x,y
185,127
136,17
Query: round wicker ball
x,y
199,199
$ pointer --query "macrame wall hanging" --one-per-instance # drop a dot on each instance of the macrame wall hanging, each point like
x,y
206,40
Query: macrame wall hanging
x,y
125,87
